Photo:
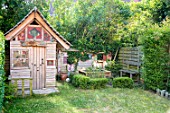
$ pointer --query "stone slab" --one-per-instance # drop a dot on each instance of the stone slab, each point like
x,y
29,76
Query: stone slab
x,y
46,91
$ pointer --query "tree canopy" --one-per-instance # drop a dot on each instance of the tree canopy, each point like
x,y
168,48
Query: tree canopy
x,y
91,26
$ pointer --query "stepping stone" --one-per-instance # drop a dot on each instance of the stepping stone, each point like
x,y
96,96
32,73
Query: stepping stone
x,y
46,91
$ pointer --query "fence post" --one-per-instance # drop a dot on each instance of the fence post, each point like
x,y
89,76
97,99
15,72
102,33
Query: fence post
x,y
23,93
16,85
30,87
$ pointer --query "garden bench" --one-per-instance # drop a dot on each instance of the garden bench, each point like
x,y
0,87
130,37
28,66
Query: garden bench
x,y
130,59
132,68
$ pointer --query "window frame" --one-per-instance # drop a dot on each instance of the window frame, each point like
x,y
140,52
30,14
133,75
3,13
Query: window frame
x,y
12,59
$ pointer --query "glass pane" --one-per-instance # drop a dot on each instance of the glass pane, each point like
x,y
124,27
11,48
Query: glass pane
x,y
50,62
24,63
20,62
16,63
16,54
20,58
24,54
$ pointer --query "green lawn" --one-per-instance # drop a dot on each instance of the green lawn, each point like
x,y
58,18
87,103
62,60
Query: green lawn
x,y
109,100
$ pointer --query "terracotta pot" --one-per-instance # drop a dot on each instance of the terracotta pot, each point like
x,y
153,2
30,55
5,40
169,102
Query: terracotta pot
x,y
64,76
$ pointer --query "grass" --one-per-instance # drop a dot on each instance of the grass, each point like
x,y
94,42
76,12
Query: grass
x,y
109,100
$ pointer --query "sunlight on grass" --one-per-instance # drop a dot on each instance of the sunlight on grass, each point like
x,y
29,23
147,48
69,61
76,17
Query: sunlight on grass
x,y
109,100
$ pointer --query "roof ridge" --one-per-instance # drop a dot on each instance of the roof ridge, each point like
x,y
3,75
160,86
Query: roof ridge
x,y
36,9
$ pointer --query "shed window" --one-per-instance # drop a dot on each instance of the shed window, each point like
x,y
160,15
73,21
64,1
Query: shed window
x,y
65,60
20,58
50,63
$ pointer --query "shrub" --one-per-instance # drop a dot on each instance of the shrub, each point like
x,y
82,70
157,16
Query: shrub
x,y
2,72
80,81
123,82
85,82
9,91
71,77
156,57
114,67
96,83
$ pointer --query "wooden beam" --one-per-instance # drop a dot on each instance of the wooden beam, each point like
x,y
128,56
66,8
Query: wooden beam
x,y
20,27
39,18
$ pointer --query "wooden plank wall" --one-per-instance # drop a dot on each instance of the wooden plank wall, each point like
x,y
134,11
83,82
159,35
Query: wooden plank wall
x,y
21,72
61,65
132,55
51,71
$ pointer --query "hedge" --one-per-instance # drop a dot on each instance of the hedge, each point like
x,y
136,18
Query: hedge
x,y
122,82
156,43
85,82
97,83
2,72
80,81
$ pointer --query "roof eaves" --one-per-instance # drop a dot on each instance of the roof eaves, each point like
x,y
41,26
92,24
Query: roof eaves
x,y
33,10
20,22
54,30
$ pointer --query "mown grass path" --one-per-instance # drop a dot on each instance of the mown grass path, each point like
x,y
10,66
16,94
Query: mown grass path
x,y
109,100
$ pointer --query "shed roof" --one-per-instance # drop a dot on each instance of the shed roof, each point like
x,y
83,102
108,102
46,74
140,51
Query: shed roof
x,y
36,14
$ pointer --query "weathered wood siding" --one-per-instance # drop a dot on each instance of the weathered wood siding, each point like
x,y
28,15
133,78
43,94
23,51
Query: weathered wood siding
x,y
51,70
130,55
42,63
62,66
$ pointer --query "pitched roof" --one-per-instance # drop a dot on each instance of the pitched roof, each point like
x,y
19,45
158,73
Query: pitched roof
x,y
32,11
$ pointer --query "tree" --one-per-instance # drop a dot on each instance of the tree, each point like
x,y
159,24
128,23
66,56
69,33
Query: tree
x,y
159,9
12,11
91,26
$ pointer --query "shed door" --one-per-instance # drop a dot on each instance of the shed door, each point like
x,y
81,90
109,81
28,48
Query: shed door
x,y
38,69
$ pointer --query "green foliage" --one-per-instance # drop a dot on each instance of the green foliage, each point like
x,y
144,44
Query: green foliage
x,y
71,76
9,91
155,47
90,26
114,67
96,83
122,82
85,82
159,9
13,11
2,72
108,100
80,81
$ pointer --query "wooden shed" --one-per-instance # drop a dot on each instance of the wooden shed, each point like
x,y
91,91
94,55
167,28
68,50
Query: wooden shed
x,y
34,47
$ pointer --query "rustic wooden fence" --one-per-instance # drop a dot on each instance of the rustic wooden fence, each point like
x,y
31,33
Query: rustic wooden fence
x,y
131,59
23,85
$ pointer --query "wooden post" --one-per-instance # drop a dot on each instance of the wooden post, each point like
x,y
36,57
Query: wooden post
x,y
23,93
131,75
121,73
16,85
30,87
